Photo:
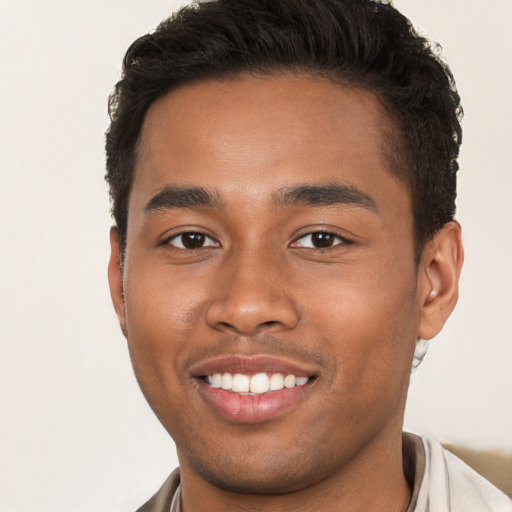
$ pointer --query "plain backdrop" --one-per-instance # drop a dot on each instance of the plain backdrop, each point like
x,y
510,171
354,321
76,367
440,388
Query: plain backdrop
x,y
75,432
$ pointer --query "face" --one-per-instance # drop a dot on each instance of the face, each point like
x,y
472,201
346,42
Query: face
x,y
271,299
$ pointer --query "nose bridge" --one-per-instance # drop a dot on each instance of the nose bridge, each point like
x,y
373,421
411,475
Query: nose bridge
x,y
251,293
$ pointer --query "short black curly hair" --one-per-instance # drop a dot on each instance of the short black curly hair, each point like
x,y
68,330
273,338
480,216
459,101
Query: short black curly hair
x,y
359,43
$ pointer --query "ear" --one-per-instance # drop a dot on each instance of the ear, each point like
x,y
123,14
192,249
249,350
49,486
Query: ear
x,y
115,278
439,279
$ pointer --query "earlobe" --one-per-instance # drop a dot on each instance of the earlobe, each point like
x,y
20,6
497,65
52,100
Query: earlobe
x,y
440,270
115,278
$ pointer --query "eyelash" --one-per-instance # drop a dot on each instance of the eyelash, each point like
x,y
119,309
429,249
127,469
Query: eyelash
x,y
202,237
197,234
339,240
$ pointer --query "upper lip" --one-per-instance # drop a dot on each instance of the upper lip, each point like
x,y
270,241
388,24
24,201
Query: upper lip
x,y
253,364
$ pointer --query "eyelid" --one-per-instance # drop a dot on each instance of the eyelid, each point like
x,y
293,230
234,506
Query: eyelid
x,y
175,236
342,240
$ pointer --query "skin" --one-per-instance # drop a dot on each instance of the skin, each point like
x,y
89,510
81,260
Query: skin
x,y
350,313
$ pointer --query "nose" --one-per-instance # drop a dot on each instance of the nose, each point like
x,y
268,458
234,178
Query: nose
x,y
252,295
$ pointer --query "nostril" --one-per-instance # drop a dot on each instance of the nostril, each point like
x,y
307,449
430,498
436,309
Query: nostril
x,y
270,323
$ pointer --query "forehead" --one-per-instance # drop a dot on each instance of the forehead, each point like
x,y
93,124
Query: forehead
x,y
251,136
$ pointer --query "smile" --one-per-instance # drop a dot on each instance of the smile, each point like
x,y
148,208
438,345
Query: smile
x,y
256,384
254,389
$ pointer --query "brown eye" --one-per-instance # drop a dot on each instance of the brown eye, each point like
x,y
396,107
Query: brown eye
x,y
192,240
319,240
322,240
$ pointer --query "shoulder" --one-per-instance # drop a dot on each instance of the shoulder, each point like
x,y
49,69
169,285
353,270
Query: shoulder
x,y
161,501
450,484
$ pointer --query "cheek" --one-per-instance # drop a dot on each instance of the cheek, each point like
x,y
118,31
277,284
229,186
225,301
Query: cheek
x,y
162,315
368,319
371,341
163,302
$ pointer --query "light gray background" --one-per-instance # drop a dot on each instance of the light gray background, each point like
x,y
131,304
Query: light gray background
x,y
75,432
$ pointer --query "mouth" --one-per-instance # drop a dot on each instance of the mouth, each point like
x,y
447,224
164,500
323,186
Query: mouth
x,y
253,390
256,384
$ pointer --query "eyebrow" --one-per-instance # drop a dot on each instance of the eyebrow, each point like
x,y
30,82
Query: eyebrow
x,y
324,195
172,196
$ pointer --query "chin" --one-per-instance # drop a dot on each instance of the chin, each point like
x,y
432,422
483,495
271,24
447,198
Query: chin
x,y
263,470
272,481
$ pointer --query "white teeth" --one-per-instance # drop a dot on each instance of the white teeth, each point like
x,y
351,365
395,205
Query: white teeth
x,y
227,381
216,380
276,382
240,383
300,381
258,384
289,381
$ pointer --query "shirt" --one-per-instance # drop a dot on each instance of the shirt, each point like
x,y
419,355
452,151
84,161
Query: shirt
x,y
439,480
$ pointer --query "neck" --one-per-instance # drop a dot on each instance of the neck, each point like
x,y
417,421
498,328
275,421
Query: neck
x,y
372,480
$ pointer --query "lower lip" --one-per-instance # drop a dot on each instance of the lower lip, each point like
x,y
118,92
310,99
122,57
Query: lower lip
x,y
251,408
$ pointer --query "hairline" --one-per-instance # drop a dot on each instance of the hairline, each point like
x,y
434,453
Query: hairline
x,y
393,139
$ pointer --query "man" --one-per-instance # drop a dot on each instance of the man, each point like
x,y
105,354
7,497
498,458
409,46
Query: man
x,y
282,175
